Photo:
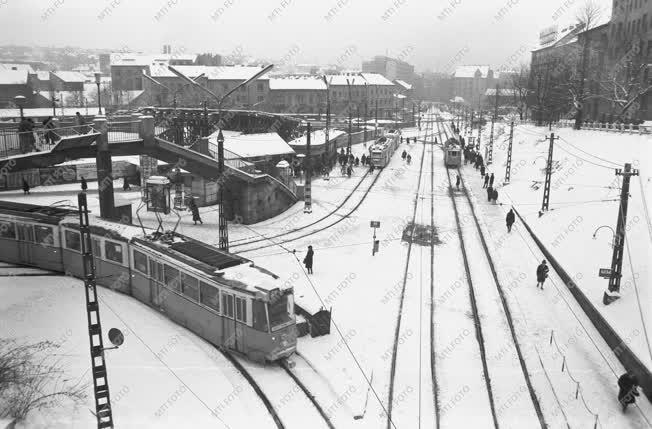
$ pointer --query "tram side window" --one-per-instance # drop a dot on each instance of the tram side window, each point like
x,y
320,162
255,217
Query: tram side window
x,y
43,235
172,279
259,316
241,309
140,262
73,240
113,251
210,296
25,232
190,287
227,304
7,230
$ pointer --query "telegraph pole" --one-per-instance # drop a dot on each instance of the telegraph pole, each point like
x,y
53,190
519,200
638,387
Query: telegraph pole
x,y
546,187
508,168
490,153
308,189
477,145
222,224
612,293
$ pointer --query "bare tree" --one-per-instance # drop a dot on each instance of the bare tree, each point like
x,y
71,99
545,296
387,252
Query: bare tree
x,y
30,380
587,17
519,85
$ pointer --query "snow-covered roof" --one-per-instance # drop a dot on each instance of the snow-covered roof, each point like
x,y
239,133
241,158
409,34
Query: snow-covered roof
x,y
19,67
297,83
377,79
406,86
131,59
316,137
249,276
470,71
70,76
211,72
341,79
13,77
253,145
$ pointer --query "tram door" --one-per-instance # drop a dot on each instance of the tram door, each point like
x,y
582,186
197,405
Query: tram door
x,y
233,331
25,242
156,296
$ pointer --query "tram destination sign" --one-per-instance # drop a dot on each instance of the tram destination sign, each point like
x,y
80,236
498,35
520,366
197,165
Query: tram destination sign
x,y
375,224
605,272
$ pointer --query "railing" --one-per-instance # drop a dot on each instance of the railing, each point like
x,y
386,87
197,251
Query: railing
x,y
606,126
231,159
13,142
123,131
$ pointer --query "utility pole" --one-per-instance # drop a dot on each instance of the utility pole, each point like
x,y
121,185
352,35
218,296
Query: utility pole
x,y
376,120
348,148
613,292
490,153
508,168
477,145
307,208
103,411
366,104
222,224
546,187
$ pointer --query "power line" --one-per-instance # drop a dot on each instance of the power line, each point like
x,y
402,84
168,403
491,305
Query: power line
x,y
590,154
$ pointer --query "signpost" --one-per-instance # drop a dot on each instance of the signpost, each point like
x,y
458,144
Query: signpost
x,y
375,224
605,273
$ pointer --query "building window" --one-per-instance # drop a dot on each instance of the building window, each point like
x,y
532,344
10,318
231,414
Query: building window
x,y
260,98
113,251
260,87
140,262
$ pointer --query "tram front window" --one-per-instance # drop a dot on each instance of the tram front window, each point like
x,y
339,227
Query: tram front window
x,y
281,311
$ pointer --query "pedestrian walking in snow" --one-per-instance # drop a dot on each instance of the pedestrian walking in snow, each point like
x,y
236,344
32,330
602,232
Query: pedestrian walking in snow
x,y
409,159
486,181
192,205
482,170
491,180
457,182
307,261
628,390
125,184
494,195
490,193
357,161
404,154
542,273
25,187
348,170
401,139
84,185
363,159
509,220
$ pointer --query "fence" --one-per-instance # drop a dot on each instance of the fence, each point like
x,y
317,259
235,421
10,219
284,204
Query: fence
x,y
123,131
616,127
13,142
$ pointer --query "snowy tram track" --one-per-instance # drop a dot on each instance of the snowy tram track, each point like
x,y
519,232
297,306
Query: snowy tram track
x,y
293,401
341,218
507,376
239,242
411,387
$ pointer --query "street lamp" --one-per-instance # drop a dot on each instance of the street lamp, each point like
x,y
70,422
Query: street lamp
x,y
20,101
613,238
328,114
98,75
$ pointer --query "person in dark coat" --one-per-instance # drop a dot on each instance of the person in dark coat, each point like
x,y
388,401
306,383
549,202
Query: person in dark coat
x,y
486,181
509,220
125,184
363,159
482,170
542,273
357,161
490,193
348,170
491,180
84,185
307,261
48,124
628,389
371,166
457,182
494,195
404,154
192,205
25,187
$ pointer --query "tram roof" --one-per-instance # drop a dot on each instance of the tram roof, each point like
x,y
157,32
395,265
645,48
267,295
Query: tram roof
x,y
45,214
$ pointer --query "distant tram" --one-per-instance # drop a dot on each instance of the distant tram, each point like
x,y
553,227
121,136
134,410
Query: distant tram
x,y
452,153
223,298
384,147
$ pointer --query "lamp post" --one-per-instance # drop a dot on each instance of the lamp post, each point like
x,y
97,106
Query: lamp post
x,y
20,101
98,75
328,114
613,238
348,84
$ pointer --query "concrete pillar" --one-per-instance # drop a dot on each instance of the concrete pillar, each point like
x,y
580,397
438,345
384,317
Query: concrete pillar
x,y
104,168
148,165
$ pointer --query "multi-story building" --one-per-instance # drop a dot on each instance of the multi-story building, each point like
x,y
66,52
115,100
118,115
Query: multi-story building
x,y
13,83
297,94
391,68
371,94
434,87
471,82
67,81
127,69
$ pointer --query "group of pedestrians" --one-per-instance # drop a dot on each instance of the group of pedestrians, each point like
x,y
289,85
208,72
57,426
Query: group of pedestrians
x,y
406,156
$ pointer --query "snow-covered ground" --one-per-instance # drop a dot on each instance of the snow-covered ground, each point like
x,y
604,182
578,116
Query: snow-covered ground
x,y
349,370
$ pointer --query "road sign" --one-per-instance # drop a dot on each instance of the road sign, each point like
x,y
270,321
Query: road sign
x,y
605,272
375,224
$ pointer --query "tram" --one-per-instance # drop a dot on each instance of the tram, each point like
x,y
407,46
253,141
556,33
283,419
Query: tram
x,y
383,148
452,153
225,299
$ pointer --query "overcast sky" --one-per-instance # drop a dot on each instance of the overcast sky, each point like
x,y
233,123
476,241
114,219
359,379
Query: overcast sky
x,y
431,34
